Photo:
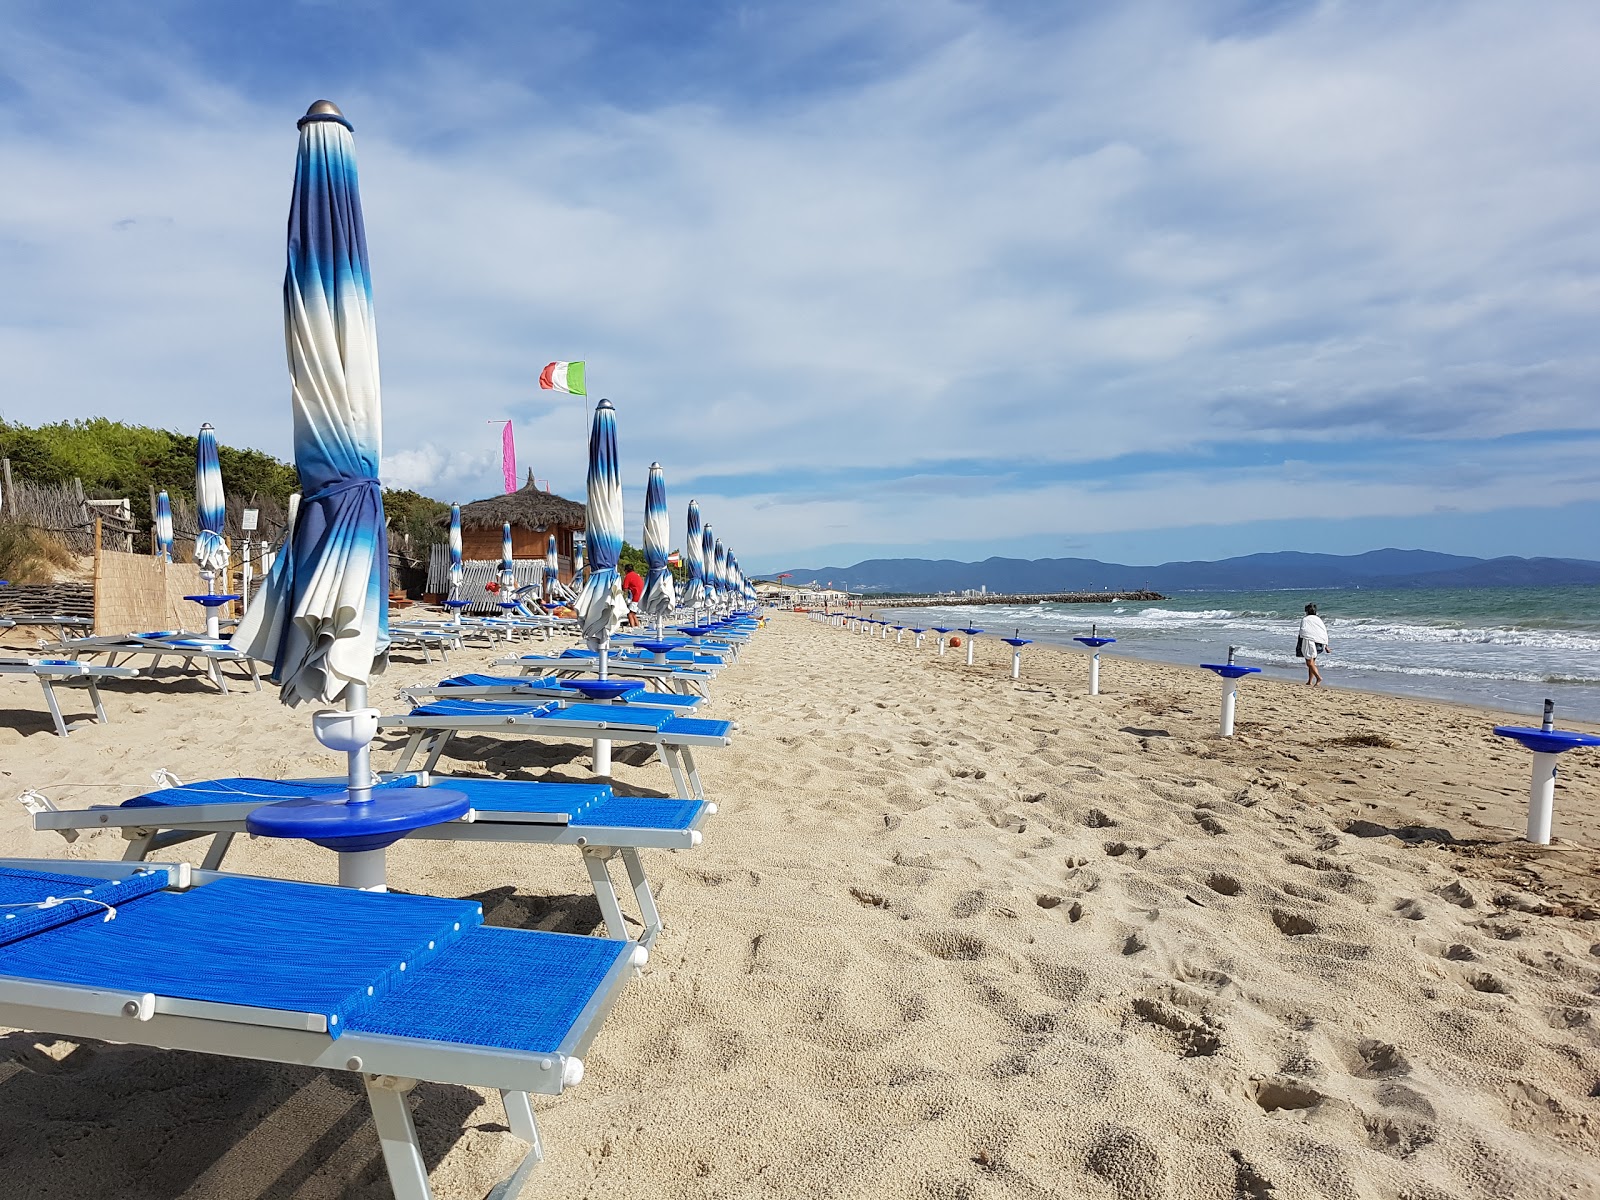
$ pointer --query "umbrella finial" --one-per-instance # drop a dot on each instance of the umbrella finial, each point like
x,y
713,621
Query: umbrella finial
x,y
323,110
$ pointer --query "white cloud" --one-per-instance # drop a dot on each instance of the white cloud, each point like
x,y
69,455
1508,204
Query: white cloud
x,y
1062,242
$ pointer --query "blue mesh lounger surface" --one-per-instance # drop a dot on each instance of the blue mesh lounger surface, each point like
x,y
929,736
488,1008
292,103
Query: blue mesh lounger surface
x,y
396,988
587,816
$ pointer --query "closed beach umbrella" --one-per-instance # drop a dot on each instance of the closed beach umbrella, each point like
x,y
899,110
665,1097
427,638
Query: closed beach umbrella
x,y
708,564
694,594
210,551
719,569
552,566
660,593
508,566
322,619
456,570
164,526
602,607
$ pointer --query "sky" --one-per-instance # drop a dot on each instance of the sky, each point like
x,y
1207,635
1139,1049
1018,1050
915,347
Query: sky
x,y
1136,281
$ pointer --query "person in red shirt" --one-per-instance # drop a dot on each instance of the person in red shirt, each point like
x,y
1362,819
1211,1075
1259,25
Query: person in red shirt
x,y
633,585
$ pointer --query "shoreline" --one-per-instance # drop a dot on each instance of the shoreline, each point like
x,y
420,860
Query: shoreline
x,y
1048,642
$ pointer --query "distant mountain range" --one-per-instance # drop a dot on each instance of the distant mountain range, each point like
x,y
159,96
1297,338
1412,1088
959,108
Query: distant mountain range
x,y
1252,572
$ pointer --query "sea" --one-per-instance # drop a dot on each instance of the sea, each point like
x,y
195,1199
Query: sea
x,y
1501,648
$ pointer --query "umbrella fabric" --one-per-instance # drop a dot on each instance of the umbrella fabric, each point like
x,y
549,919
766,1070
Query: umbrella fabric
x,y
210,551
694,593
552,565
577,561
720,569
456,569
322,619
164,526
602,607
508,566
660,592
708,564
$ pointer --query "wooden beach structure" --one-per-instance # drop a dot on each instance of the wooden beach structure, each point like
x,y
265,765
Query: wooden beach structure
x,y
533,514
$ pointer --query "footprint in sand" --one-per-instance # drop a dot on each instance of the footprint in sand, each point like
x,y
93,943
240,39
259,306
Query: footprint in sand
x,y
1225,885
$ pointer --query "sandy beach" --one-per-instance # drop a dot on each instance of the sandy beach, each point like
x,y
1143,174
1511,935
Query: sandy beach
x,y
949,935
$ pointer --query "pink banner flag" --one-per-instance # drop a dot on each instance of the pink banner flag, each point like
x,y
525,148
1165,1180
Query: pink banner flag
x,y
508,459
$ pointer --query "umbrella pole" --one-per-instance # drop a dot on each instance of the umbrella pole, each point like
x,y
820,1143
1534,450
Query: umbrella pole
x,y
362,869
602,746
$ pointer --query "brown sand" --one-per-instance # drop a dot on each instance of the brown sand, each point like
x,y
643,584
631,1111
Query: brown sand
x,y
949,936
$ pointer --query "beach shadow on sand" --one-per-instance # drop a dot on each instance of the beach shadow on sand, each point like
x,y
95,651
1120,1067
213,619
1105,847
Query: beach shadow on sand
x,y
93,1119
1145,733
571,913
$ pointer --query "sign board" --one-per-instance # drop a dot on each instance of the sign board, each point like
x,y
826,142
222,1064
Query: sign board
x,y
250,517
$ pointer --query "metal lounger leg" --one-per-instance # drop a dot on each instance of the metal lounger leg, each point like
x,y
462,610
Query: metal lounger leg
x,y
643,896
402,1154
255,675
219,847
675,765
595,861
94,698
694,774
441,740
519,1117
215,672
54,707
409,750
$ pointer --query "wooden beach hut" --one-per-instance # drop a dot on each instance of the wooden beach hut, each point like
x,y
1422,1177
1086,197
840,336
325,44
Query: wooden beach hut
x,y
534,515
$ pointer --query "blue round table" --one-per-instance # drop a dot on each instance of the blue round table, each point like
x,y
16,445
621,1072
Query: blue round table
x,y
600,690
1547,745
1231,674
352,828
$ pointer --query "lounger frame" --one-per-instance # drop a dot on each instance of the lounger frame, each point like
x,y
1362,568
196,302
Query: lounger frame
x,y
389,1066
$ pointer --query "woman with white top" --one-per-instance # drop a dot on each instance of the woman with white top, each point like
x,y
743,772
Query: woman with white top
x,y
1313,641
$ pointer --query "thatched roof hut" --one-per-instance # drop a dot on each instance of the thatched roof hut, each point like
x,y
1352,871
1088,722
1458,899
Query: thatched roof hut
x,y
526,508
534,515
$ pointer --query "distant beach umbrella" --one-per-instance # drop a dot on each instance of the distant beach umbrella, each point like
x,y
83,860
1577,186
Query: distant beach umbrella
x,y
322,618
164,526
602,607
210,551
694,593
552,566
508,562
577,562
719,568
708,566
456,570
660,592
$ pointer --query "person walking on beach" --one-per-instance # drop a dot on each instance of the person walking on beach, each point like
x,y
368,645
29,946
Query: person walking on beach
x,y
633,585
1313,641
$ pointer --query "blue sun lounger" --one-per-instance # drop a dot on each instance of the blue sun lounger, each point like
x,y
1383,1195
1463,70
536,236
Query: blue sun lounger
x,y
394,988
432,725
602,825
549,687
51,671
668,677
157,645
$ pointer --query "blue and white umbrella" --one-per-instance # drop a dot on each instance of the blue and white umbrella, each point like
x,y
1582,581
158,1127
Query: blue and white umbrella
x,y
694,593
210,551
322,618
164,526
720,568
660,592
577,563
508,567
456,570
552,567
708,564
602,606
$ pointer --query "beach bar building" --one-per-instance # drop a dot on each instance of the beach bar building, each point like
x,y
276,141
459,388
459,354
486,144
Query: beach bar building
x,y
533,514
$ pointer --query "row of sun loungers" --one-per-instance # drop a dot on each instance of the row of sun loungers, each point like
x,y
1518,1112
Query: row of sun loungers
x,y
395,988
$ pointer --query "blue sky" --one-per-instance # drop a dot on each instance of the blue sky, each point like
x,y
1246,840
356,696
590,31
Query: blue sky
x,y
1138,281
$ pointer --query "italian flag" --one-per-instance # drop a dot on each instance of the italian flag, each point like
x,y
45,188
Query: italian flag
x,y
563,377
